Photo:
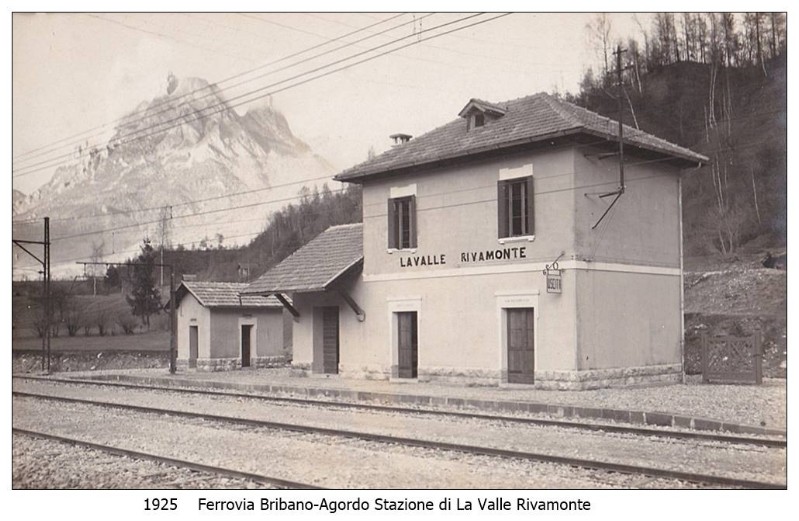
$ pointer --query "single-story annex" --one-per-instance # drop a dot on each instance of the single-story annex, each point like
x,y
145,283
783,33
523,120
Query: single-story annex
x,y
502,248
220,329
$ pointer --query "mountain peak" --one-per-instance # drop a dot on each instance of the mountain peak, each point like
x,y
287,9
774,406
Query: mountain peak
x,y
170,151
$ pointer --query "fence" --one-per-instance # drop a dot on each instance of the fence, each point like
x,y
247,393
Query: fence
x,y
732,360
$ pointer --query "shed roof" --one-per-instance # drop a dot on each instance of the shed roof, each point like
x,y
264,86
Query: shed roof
x,y
224,294
315,266
526,120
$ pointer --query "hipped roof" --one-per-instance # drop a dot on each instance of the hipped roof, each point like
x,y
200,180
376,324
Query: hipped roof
x,y
525,121
223,294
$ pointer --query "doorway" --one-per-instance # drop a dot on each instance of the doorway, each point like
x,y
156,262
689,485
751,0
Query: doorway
x,y
407,344
330,340
246,339
520,342
193,346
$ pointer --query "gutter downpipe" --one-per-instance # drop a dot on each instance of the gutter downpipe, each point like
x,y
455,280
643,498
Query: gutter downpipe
x,y
682,290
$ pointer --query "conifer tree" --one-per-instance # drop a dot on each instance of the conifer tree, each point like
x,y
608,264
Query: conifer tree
x,y
144,300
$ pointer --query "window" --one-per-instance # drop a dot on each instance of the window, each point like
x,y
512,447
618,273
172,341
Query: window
x,y
402,223
515,202
479,120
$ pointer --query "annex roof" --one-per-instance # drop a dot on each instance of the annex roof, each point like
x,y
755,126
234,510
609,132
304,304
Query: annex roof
x,y
526,120
223,294
315,266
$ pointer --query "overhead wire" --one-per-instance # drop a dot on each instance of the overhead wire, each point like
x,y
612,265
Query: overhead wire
x,y
300,197
460,204
227,104
211,85
148,112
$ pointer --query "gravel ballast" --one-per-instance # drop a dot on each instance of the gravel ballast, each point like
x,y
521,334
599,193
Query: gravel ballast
x,y
317,460
755,463
48,464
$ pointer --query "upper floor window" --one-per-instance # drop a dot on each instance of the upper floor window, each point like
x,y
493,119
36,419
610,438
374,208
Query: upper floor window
x,y
479,120
516,209
402,223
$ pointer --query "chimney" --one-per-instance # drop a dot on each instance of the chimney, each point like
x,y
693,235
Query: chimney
x,y
400,139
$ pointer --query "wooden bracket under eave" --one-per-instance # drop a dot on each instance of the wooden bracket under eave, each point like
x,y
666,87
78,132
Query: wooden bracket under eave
x,y
286,304
360,313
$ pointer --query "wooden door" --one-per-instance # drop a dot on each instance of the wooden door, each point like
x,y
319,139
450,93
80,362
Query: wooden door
x,y
330,344
520,345
408,344
193,346
246,331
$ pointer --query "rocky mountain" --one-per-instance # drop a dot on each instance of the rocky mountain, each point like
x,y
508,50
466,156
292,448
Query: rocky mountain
x,y
170,171
18,200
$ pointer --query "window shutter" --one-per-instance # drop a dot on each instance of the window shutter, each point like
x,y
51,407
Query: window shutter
x,y
392,224
412,220
502,209
530,207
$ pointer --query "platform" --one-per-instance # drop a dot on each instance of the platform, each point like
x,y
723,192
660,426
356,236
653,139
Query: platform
x,y
737,409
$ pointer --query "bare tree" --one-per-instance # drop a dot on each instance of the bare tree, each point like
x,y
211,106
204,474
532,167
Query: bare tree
x,y
599,37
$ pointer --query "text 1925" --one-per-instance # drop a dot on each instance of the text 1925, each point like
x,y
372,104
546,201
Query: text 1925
x,y
161,503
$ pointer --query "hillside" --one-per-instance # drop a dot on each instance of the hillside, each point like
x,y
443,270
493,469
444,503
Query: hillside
x,y
742,195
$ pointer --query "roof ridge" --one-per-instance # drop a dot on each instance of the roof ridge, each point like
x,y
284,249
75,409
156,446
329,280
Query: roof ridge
x,y
529,119
557,105
347,225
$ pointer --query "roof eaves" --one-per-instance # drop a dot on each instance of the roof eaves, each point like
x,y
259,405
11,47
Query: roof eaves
x,y
681,153
342,272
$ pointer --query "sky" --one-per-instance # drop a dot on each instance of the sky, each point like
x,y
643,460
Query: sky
x,y
74,74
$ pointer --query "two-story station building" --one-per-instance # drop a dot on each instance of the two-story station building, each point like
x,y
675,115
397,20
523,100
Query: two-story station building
x,y
486,255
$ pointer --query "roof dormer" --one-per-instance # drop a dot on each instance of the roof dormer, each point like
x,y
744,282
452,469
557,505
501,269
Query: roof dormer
x,y
478,112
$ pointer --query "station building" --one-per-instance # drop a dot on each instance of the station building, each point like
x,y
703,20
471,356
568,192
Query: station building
x,y
492,252
219,329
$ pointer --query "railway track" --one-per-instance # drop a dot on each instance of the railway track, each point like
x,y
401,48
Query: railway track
x,y
199,467
604,427
607,466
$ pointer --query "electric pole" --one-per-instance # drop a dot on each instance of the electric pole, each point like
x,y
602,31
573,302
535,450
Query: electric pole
x,y
620,93
45,262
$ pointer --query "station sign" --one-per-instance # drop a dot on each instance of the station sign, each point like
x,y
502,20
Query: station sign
x,y
553,281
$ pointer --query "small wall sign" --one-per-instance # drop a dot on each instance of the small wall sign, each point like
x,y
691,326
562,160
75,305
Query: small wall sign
x,y
553,281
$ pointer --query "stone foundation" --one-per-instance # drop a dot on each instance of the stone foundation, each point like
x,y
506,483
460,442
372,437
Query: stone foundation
x,y
218,364
364,372
604,378
550,380
452,375
230,364
260,362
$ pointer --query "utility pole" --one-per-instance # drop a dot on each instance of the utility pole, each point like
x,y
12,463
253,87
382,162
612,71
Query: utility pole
x,y
620,190
165,222
620,94
45,262
47,292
